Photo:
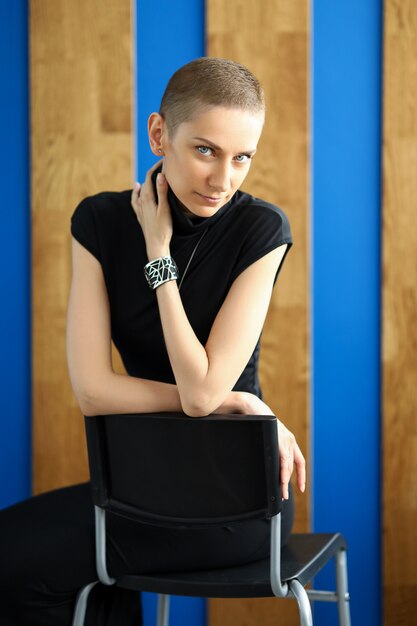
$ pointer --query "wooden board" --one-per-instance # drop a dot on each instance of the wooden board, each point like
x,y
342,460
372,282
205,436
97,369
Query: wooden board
x,y
272,39
81,143
399,359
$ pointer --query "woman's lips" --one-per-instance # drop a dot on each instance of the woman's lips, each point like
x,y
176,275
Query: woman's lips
x,y
209,199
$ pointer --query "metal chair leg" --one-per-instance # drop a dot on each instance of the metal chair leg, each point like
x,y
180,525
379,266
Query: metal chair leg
x,y
81,604
163,610
342,588
304,607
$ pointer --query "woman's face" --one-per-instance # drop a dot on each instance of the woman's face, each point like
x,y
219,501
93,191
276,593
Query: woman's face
x,y
209,157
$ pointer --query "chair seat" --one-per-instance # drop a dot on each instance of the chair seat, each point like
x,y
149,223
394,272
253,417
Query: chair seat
x,y
302,557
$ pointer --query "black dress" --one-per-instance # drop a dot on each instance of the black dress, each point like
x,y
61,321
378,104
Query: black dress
x,y
240,233
47,542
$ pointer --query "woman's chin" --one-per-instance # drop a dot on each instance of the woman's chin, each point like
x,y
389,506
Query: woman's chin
x,y
200,206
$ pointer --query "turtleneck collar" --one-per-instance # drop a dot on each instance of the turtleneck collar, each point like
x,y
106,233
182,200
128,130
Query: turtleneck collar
x,y
182,224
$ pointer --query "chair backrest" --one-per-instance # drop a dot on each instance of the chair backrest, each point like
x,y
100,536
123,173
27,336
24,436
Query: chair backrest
x,y
171,469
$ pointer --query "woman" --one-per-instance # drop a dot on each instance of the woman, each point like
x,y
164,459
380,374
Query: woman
x,y
179,272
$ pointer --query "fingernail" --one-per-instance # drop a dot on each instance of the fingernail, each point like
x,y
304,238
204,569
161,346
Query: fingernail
x,y
159,178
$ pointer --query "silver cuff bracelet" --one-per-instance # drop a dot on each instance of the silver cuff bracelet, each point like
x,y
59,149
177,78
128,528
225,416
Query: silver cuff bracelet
x,y
160,271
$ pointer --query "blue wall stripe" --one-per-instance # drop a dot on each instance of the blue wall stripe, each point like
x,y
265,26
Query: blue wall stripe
x,y
346,279
166,39
164,42
15,373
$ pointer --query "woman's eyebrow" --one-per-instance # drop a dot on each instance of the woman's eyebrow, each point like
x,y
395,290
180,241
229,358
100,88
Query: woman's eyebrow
x,y
210,144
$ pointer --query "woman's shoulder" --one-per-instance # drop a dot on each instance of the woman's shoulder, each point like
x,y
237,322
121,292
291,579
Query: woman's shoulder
x,y
105,203
260,228
98,218
255,213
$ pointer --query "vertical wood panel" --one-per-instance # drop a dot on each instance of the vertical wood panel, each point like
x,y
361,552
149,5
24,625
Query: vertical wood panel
x,y
400,313
81,110
272,39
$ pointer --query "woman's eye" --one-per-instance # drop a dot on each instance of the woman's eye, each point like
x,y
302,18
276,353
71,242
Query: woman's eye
x,y
242,158
204,150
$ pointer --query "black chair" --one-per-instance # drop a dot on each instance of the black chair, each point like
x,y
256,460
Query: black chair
x,y
203,472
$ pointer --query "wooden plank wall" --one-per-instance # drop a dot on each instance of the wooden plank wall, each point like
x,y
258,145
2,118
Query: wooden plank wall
x,y
81,143
400,313
272,39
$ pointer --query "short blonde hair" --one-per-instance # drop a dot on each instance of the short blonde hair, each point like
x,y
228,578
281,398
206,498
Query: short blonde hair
x,y
207,82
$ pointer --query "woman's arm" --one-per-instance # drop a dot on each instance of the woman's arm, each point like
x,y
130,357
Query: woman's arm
x,y
205,374
98,389
289,451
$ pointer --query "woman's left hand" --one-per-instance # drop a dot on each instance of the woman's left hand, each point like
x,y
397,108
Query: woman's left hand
x,y
290,457
290,454
154,218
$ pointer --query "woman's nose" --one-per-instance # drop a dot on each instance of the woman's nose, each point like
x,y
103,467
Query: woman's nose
x,y
220,177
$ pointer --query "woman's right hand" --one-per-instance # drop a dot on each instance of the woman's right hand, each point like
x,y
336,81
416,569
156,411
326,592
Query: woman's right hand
x,y
154,217
289,451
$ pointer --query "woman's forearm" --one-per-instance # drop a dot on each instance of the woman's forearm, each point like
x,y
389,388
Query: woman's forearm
x,y
206,374
119,393
188,357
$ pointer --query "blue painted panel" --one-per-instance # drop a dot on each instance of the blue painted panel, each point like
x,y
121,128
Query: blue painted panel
x,y
182,611
346,280
15,385
167,37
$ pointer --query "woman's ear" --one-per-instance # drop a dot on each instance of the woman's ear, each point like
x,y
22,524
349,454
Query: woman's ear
x,y
157,133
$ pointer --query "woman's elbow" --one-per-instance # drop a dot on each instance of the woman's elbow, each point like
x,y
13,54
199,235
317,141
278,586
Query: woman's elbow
x,y
88,399
194,411
198,404
87,407
90,389
86,404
